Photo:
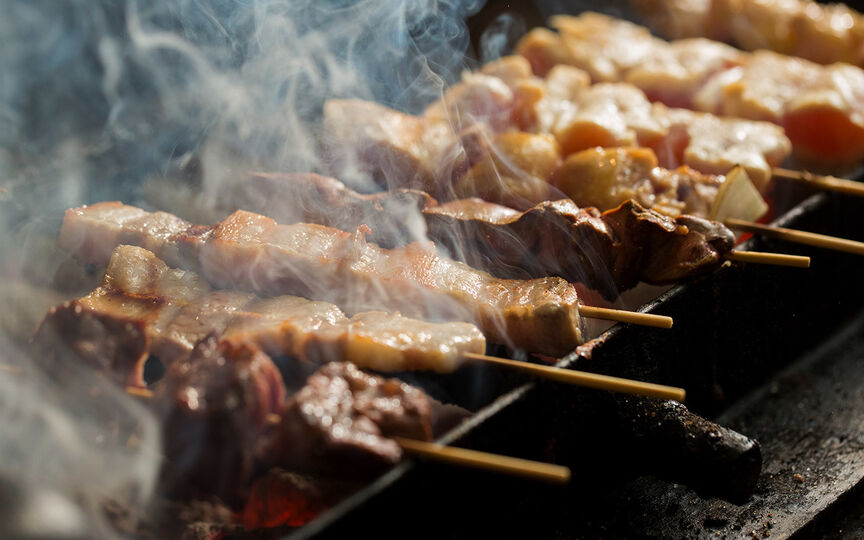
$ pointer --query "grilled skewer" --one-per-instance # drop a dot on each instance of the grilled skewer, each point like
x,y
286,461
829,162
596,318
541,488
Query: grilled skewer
x,y
608,252
251,252
169,310
820,107
823,33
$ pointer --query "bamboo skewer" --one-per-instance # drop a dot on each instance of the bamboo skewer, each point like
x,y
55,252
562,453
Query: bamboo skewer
x,y
583,378
535,470
632,317
829,183
779,259
568,376
800,237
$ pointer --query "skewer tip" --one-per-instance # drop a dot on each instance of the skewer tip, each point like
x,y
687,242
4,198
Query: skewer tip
x,y
777,259
631,317
546,472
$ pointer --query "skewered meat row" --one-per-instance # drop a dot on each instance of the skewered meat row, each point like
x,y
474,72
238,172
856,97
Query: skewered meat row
x,y
523,126
172,309
821,108
251,252
823,33
608,252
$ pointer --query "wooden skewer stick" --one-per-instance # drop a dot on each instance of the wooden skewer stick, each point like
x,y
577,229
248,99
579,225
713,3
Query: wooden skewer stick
x,y
546,472
569,376
448,454
800,237
779,259
829,183
632,317
583,378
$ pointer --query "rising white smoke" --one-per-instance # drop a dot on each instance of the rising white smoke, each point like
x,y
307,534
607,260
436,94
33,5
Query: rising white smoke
x,y
99,97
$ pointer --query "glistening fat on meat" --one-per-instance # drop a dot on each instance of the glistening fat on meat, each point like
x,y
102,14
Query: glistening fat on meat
x,y
144,306
251,252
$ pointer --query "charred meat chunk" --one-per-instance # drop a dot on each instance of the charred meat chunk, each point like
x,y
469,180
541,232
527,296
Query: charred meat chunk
x,y
341,421
144,306
214,406
252,252
113,344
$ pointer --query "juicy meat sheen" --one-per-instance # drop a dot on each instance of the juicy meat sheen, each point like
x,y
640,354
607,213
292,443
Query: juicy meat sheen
x,y
555,237
214,407
344,416
251,252
820,107
172,310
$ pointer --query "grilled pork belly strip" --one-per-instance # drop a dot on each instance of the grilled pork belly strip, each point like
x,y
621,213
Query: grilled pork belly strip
x,y
176,309
608,252
251,252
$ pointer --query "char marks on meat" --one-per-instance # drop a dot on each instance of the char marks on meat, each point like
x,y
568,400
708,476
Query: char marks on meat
x,y
145,306
344,416
251,252
114,345
214,406
552,238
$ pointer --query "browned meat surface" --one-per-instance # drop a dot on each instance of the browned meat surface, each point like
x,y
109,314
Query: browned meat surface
x,y
251,252
820,107
660,250
607,177
214,406
341,421
514,172
403,150
500,133
116,346
609,252
558,237
312,198
144,306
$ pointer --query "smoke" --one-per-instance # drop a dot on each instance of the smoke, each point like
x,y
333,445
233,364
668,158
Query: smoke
x,y
103,100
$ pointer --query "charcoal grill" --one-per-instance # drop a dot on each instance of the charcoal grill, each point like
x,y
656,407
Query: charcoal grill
x,y
772,352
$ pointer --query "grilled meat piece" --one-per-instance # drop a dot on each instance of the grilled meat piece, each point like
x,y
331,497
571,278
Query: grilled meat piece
x,y
114,344
812,30
609,252
327,201
821,108
344,416
143,306
550,117
253,253
660,250
607,177
514,172
214,407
